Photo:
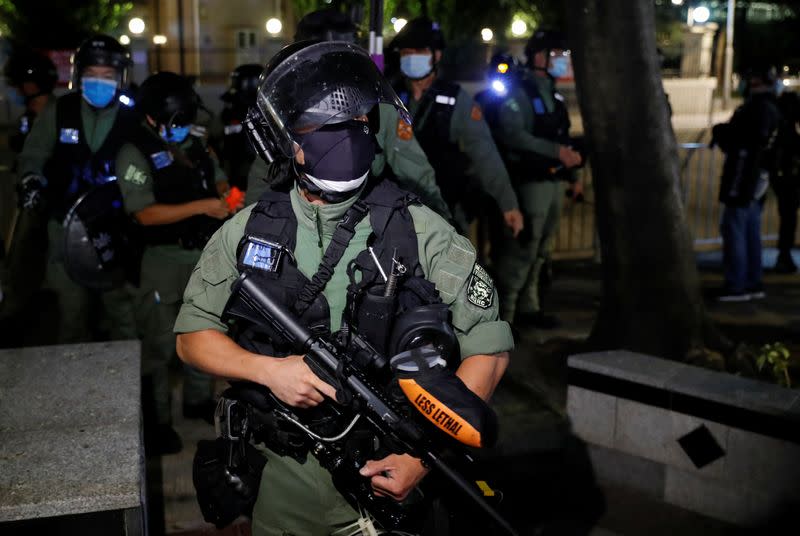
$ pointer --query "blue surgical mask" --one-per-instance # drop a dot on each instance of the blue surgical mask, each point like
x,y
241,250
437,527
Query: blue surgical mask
x,y
559,67
416,66
15,96
176,134
98,92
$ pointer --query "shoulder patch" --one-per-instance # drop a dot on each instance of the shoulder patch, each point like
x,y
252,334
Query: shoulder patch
x,y
262,255
476,114
134,175
480,289
404,131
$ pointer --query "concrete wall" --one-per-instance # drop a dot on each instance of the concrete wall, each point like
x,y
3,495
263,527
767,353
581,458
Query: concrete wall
x,y
632,409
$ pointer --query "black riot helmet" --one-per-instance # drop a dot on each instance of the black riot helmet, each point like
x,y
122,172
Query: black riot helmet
x,y
244,84
29,66
311,84
328,24
546,40
169,99
421,32
101,50
766,73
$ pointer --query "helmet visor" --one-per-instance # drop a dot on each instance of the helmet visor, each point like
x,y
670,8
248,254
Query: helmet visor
x,y
324,83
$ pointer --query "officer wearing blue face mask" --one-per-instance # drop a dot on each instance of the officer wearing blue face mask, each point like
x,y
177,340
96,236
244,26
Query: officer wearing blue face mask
x,y
533,135
172,186
69,152
451,129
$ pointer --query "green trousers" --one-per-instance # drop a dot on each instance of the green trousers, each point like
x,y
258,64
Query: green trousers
x,y
76,304
298,500
164,277
519,260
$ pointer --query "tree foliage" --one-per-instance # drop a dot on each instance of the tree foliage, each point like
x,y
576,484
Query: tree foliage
x,y
58,24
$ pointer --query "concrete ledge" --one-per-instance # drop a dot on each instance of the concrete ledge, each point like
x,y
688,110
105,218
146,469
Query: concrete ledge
x,y
70,430
710,442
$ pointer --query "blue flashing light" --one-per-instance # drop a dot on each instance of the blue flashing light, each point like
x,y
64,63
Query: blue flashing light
x,y
126,100
499,87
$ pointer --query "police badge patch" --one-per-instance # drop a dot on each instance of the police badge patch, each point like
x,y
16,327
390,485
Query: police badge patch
x,y
71,136
480,290
262,255
161,159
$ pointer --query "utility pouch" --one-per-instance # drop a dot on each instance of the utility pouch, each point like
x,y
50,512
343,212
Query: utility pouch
x,y
224,493
375,316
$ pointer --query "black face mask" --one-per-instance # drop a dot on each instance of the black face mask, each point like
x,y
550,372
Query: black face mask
x,y
337,159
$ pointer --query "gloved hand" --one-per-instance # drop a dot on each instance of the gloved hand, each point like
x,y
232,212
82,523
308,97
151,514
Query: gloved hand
x,y
30,192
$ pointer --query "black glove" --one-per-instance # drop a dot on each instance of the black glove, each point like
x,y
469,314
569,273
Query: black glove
x,y
30,192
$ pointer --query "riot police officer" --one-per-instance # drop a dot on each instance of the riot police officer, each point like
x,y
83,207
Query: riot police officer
x,y
399,157
450,127
69,152
302,245
32,77
228,138
501,75
171,186
533,130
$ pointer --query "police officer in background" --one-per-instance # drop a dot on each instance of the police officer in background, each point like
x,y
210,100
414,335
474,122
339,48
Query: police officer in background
x,y
450,128
70,150
533,131
226,134
501,75
332,148
171,186
32,78
399,156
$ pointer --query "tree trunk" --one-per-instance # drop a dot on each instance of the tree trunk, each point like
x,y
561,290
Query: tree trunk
x,y
651,292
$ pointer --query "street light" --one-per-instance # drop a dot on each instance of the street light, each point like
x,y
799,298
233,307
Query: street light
x,y
701,14
159,39
487,34
399,24
677,2
124,40
518,27
136,26
274,26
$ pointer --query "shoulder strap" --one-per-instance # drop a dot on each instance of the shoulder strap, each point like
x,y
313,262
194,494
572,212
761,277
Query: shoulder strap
x,y
345,230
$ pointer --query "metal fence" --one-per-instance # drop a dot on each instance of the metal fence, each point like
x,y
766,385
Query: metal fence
x,y
700,170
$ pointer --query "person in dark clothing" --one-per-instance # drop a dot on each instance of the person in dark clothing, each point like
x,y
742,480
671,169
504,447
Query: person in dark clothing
x,y
786,178
748,141
32,77
228,138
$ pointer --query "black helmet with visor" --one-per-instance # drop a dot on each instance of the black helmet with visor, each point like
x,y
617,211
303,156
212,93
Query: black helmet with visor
x,y
309,85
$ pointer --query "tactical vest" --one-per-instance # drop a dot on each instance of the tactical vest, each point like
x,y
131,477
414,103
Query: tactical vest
x,y
179,176
432,130
266,253
74,169
553,126
237,155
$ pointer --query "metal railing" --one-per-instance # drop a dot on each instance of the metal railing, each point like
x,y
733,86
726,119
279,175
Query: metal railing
x,y
700,170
